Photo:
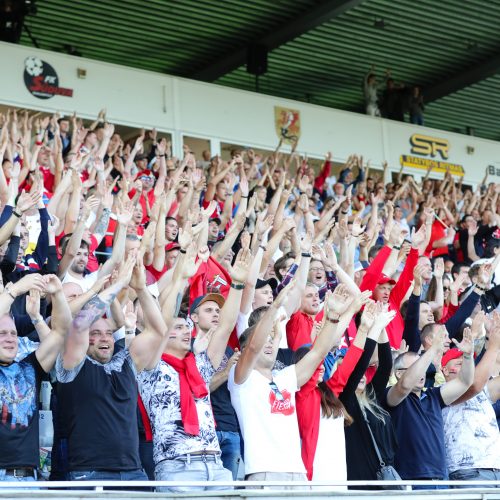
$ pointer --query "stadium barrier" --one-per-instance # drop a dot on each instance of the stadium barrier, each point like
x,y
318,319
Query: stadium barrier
x,y
97,490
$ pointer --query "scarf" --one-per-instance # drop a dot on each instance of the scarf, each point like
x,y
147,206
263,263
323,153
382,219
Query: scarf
x,y
191,386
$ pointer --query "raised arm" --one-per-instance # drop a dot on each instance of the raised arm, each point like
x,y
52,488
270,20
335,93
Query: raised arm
x,y
51,345
485,369
411,334
263,330
75,240
456,387
231,308
117,255
293,302
337,317
145,346
397,393
77,342
24,203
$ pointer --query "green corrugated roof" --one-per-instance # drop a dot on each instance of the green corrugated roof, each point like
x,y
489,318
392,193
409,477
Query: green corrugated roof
x,y
424,42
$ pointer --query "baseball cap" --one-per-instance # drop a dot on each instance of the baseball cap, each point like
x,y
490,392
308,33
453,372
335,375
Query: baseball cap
x,y
172,246
272,282
215,219
209,297
450,354
385,279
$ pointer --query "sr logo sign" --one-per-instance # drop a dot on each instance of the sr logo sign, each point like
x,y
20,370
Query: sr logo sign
x,y
429,146
41,79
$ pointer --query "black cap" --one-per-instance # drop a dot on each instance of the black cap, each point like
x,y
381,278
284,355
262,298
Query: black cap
x,y
272,282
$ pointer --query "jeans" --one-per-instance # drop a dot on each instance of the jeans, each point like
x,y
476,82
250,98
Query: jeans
x,y
475,475
431,487
146,456
7,477
230,447
276,476
108,475
187,468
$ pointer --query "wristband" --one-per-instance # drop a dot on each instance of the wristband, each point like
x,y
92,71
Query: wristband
x,y
35,321
395,247
39,143
305,254
245,197
263,248
7,289
333,320
182,250
238,286
345,212
466,356
481,288
160,156
16,214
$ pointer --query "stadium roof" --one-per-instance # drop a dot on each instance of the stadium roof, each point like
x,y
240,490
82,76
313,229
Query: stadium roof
x,y
319,50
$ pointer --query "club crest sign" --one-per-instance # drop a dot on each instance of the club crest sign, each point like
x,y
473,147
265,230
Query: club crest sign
x,y
41,79
287,124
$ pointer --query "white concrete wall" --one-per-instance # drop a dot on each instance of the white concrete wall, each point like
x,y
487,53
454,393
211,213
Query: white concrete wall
x,y
185,107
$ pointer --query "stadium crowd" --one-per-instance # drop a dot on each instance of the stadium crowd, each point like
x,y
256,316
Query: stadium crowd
x,y
200,319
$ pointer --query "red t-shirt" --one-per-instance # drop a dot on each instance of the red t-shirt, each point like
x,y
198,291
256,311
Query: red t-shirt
x,y
299,327
438,231
142,201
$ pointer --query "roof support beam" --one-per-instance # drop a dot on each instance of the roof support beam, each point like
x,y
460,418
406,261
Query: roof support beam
x,y
318,15
474,74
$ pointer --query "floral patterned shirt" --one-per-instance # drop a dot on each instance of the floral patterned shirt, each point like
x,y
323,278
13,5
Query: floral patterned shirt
x,y
160,393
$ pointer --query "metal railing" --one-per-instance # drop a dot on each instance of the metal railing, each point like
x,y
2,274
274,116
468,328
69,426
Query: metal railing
x,y
233,487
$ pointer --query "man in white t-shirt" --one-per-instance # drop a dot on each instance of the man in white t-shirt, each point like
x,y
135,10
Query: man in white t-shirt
x,y
472,438
264,401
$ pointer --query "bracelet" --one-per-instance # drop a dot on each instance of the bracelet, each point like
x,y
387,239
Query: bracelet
x,y
16,214
35,321
238,286
333,320
305,254
345,212
263,248
466,356
182,250
39,143
7,289
244,197
395,247
481,288
160,156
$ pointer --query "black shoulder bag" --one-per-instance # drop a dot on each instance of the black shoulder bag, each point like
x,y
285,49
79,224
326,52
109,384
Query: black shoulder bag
x,y
386,472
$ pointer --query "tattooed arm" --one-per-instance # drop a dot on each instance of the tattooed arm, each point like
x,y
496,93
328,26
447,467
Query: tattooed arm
x,y
77,341
102,225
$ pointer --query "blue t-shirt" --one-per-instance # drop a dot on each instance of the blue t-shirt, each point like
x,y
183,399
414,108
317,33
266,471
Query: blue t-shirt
x,y
419,427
